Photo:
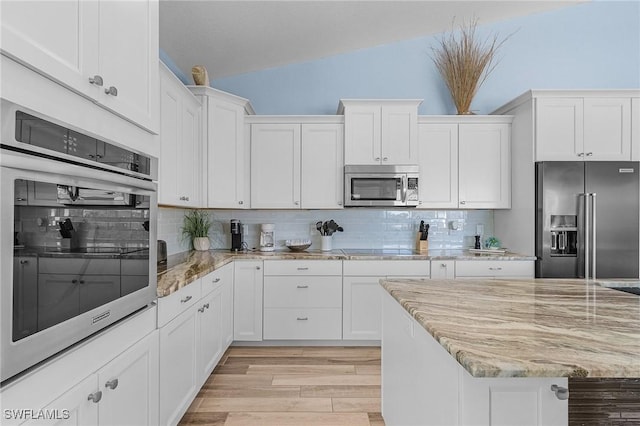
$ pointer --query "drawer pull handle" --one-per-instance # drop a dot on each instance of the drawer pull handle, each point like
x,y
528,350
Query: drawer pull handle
x,y
186,299
206,306
95,397
302,286
561,393
303,269
302,318
201,310
111,384
495,269
443,265
217,280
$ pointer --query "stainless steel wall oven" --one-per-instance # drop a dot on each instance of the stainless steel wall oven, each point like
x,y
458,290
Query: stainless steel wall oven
x,y
77,232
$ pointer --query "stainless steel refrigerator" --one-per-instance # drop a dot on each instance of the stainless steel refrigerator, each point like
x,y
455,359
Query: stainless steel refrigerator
x,y
587,219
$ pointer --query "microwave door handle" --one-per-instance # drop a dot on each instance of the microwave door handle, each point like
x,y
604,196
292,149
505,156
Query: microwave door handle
x,y
404,189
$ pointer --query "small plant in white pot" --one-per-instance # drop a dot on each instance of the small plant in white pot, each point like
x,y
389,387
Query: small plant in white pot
x,y
195,228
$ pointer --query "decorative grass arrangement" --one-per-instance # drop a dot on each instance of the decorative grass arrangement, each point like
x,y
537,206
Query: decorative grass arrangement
x,y
465,61
196,224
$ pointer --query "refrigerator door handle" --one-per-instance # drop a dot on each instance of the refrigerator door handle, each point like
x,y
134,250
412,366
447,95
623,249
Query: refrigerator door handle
x,y
594,228
586,234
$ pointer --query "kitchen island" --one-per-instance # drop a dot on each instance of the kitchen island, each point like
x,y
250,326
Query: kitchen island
x,y
489,351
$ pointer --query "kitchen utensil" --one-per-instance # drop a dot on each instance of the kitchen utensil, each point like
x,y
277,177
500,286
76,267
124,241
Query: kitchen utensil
x,y
297,245
426,232
319,226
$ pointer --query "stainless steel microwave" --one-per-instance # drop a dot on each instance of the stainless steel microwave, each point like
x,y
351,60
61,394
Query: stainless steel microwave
x,y
381,186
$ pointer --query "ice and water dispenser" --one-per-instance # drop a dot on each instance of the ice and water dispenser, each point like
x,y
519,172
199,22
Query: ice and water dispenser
x,y
564,235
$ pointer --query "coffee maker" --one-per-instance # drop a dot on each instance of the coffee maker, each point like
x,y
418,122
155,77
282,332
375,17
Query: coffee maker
x,y
267,237
236,235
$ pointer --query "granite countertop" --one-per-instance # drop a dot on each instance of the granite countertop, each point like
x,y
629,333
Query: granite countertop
x,y
183,268
528,327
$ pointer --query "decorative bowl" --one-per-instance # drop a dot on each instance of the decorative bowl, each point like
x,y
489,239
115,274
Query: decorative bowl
x,y
297,245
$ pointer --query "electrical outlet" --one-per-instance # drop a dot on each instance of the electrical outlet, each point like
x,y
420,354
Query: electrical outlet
x,y
479,229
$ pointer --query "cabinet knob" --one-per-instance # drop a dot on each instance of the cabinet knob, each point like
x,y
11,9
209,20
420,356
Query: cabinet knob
x,y
24,262
581,154
339,203
443,265
186,299
95,397
74,281
216,280
111,384
241,202
463,202
201,310
297,203
589,154
96,79
377,158
21,199
111,91
561,392
258,268
385,159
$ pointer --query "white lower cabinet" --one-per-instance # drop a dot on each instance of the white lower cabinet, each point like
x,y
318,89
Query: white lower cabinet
x,y
111,379
193,341
422,384
494,269
303,300
443,269
361,293
247,300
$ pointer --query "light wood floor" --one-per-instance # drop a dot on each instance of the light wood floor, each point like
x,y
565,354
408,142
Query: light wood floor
x,y
324,386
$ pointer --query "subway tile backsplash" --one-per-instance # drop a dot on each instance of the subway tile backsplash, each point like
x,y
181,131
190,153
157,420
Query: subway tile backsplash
x,y
363,228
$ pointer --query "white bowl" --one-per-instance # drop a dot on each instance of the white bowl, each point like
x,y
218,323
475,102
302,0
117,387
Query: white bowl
x,y
298,245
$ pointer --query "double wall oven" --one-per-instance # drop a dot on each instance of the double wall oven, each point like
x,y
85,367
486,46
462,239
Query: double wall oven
x,y
77,232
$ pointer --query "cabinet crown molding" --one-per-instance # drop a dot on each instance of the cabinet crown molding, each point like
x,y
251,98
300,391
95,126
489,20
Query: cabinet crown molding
x,y
210,91
465,119
347,102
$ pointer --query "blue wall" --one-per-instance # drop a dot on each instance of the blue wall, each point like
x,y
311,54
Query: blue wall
x,y
592,45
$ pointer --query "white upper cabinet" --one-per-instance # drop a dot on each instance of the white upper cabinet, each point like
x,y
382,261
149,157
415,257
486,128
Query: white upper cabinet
x,y
322,166
380,131
104,50
484,161
296,162
438,146
635,129
179,174
225,148
275,166
583,127
465,162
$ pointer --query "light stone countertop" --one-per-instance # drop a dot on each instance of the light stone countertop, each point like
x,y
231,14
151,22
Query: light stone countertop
x,y
528,327
183,268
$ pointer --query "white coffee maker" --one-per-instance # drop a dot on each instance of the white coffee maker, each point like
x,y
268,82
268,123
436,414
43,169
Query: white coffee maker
x,y
267,237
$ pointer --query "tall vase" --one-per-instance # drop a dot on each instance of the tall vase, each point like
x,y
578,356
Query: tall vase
x,y
201,243
325,243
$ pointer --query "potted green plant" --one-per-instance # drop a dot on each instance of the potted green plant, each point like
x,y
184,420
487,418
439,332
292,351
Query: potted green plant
x,y
195,228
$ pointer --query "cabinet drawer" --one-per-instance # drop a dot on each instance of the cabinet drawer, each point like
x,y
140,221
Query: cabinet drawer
x,y
302,323
216,278
173,305
303,267
494,268
302,292
396,268
88,266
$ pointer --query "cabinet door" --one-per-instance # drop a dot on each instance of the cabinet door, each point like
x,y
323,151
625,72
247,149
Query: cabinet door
x,y
20,195
559,129
484,162
128,46
96,290
179,165
322,166
438,165
25,296
58,299
275,166
81,411
209,333
362,308
226,155
443,269
399,134
362,134
635,129
129,386
56,46
607,129
247,301
227,306
179,382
